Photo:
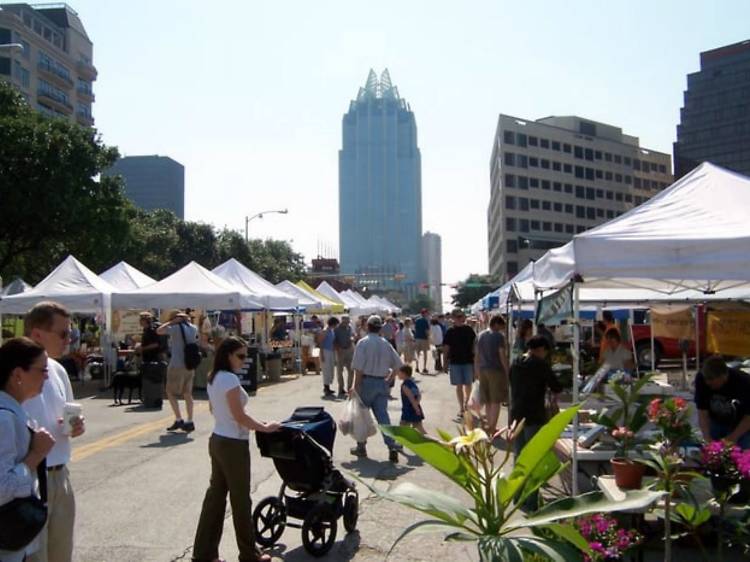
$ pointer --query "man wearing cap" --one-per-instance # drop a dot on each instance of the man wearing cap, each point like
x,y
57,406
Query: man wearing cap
x,y
375,364
179,377
150,341
422,338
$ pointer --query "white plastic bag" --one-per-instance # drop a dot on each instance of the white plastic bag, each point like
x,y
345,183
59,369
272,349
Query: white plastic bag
x,y
357,420
475,400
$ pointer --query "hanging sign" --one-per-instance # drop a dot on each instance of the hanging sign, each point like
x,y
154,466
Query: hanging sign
x,y
728,332
671,322
555,307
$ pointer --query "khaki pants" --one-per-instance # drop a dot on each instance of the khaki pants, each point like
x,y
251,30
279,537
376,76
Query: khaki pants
x,y
328,360
230,473
344,359
56,538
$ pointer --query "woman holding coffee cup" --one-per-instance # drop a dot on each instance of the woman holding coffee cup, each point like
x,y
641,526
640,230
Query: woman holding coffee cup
x,y
23,370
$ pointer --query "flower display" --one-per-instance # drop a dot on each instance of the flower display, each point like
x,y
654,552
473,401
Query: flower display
x,y
720,458
672,417
608,542
624,439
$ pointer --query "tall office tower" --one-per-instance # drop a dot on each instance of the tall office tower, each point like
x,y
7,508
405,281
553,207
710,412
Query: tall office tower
x,y
53,71
380,190
432,260
557,176
715,120
153,182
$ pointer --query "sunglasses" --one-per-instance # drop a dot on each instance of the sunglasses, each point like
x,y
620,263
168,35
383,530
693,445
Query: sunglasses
x,y
242,356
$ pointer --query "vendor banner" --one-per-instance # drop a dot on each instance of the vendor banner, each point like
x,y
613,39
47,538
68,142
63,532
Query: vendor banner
x,y
126,322
555,307
728,332
671,322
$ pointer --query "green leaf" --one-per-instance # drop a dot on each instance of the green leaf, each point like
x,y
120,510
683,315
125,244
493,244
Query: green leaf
x,y
427,526
690,515
499,549
461,537
570,534
535,451
444,435
554,551
593,502
434,453
542,473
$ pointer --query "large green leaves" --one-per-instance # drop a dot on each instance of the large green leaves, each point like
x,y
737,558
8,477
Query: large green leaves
x,y
434,453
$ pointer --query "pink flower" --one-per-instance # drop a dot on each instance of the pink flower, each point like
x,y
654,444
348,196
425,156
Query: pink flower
x,y
597,547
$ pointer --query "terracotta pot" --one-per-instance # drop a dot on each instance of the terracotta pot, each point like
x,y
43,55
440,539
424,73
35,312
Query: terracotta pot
x,y
628,473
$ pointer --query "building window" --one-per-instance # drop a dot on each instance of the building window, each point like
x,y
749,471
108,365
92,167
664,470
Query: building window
x,y
522,161
510,202
578,152
520,139
662,169
569,208
580,172
568,188
636,164
510,224
556,166
558,227
511,246
546,226
533,141
580,192
647,184
556,146
534,182
599,213
628,180
654,167
523,203
545,163
610,195
534,225
534,203
597,155
637,182
546,206
545,184
608,176
618,159
558,207
509,137
618,196
21,74
628,198
580,228
599,174
600,193
610,214
590,193
523,225
510,180
590,174
523,182
580,211
557,186
589,154
618,178
569,229
512,267
607,157
510,159
567,148
626,160
591,213
567,168
533,162
544,143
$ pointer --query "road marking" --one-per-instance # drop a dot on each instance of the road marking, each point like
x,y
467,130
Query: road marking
x,y
85,451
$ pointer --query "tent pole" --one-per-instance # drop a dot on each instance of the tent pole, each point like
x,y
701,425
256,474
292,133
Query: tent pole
x,y
698,315
536,308
653,345
576,376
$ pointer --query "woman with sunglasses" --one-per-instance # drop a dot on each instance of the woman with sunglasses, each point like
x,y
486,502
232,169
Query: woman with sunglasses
x,y
23,370
229,449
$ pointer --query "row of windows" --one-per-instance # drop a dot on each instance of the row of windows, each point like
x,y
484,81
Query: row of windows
x,y
526,204
21,74
52,91
580,152
40,29
52,65
513,224
581,192
581,172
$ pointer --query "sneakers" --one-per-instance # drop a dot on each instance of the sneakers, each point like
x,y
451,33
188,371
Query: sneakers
x,y
328,392
359,451
393,455
187,427
178,424
342,394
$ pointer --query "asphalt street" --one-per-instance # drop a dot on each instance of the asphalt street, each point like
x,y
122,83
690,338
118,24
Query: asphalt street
x,y
139,488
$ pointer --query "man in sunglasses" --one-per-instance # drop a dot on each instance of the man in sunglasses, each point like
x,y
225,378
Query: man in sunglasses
x,y
48,324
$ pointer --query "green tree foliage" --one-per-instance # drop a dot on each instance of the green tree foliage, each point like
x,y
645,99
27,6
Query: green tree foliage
x,y
54,201
418,303
474,288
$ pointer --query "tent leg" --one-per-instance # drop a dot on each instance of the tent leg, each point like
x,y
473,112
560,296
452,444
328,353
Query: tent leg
x,y
653,344
576,376
698,315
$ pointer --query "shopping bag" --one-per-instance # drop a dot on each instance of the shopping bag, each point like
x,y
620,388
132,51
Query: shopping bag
x,y
361,425
345,421
475,400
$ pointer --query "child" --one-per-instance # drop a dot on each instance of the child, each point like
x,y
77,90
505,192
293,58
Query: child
x,y
411,409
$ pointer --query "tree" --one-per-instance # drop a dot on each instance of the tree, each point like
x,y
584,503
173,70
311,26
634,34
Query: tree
x,y
419,302
54,200
473,288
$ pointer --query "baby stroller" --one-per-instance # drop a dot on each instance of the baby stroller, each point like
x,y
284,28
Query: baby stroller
x,y
312,491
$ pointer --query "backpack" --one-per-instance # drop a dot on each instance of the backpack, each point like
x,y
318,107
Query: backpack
x,y
192,352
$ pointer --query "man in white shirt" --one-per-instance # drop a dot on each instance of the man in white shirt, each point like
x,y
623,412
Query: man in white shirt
x,y
48,324
179,378
615,355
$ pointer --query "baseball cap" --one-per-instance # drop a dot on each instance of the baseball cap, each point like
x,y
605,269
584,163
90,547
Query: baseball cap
x,y
375,320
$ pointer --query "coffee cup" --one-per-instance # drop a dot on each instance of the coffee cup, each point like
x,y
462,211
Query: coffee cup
x,y
71,412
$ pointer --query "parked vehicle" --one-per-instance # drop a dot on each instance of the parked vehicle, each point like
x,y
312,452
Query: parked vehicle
x,y
664,348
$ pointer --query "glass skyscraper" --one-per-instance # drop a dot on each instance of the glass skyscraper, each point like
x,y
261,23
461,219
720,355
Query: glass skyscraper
x,y
380,190
715,120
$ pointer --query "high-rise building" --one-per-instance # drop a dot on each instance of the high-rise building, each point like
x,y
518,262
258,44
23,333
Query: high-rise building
x,y
153,182
54,71
432,260
557,176
715,120
380,190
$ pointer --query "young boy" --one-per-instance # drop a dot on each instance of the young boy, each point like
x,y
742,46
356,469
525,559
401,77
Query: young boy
x,y
411,409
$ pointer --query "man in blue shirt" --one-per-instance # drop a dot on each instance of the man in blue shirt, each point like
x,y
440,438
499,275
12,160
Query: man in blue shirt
x,y
422,338
327,340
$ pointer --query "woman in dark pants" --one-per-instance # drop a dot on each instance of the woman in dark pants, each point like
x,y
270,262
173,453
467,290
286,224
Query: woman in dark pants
x,y
229,448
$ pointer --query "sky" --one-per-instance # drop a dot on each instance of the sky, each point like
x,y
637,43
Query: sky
x,y
249,96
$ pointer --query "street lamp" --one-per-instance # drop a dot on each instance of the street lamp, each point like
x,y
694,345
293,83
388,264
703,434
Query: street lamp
x,y
260,216
11,47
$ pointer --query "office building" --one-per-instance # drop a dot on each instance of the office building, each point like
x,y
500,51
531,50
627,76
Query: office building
x,y
54,71
153,182
380,191
557,176
715,120
432,260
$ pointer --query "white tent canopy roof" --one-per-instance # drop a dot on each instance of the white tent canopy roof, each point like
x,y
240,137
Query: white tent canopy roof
x,y
15,287
304,299
125,277
235,273
693,235
191,286
326,290
71,284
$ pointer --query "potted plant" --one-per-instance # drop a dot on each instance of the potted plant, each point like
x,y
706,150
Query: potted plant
x,y
630,412
728,467
494,518
628,473
672,417
607,539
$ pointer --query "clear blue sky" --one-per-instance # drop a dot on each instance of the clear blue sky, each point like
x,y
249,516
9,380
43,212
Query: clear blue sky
x,y
249,96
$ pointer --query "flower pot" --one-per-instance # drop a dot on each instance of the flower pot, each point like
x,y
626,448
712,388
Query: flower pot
x,y
628,473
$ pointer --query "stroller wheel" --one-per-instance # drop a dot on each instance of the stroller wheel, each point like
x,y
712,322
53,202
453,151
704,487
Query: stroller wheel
x,y
351,511
269,520
319,530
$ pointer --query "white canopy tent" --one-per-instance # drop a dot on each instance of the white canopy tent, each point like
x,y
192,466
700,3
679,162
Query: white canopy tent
x,y
15,287
125,277
353,305
191,286
305,300
71,284
272,298
326,290
693,235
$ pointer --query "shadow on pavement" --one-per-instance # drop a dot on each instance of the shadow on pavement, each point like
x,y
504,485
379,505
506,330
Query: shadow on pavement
x,y
169,440
378,470
343,550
